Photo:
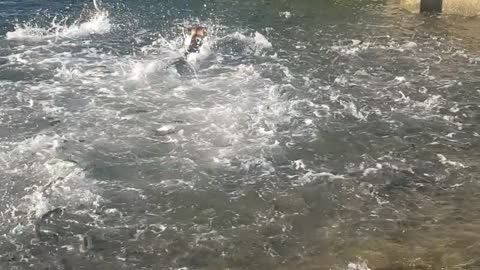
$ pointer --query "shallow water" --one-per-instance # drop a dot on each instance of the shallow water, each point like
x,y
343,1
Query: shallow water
x,y
306,134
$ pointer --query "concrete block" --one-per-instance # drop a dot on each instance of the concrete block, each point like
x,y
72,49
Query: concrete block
x,y
457,7
411,5
462,7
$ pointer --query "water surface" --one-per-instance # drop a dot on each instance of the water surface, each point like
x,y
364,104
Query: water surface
x,y
305,135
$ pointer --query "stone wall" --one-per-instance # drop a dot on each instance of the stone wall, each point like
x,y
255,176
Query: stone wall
x,y
462,7
411,5
459,7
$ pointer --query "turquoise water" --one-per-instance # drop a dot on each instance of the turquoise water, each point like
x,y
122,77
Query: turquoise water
x,y
305,135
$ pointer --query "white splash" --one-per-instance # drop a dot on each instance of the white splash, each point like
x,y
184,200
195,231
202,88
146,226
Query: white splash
x,y
357,266
68,73
285,14
56,183
27,31
298,164
256,42
95,4
98,24
410,45
261,42
312,176
351,108
445,161
431,103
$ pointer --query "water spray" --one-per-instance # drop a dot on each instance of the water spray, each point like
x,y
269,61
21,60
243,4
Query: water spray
x,y
95,4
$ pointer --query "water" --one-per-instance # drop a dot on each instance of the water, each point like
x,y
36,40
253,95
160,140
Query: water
x,y
306,135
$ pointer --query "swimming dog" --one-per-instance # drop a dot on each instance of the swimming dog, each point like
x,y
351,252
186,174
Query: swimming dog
x,y
196,37
197,34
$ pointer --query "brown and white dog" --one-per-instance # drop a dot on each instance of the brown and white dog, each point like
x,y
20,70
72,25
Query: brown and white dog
x,y
197,34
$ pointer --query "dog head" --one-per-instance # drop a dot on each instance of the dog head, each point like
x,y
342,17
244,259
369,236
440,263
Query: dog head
x,y
197,34
198,31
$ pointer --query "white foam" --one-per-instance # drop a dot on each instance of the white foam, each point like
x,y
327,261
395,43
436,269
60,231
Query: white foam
x,y
431,102
351,108
356,42
311,176
368,171
410,45
27,32
400,79
141,69
445,161
98,24
55,182
256,42
285,14
261,42
358,266
68,73
298,164
35,204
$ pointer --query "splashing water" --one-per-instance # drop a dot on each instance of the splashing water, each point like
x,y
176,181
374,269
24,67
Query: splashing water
x,y
99,23
304,135
97,7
